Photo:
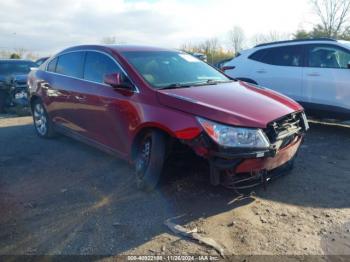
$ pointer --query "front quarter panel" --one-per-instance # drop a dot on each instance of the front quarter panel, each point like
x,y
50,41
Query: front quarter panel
x,y
177,124
35,84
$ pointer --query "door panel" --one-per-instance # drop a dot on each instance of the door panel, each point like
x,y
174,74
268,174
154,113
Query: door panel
x,y
101,109
63,78
62,101
327,77
280,69
284,79
102,115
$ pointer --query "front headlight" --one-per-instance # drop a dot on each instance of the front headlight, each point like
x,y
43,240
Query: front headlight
x,y
229,136
21,95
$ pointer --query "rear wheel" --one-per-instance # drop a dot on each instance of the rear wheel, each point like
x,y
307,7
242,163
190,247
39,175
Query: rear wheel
x,y
150,160
42,122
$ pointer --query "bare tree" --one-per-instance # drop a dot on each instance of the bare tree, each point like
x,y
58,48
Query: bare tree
x,y
270,37
210,47
5,54
191,48
236,39
20,51
333,15
32,56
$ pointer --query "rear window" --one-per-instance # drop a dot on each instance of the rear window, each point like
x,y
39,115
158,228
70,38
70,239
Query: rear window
x,y
257,56
71,64
281,56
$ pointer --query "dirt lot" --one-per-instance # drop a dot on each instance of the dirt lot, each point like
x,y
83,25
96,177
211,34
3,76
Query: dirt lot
x,y
63,197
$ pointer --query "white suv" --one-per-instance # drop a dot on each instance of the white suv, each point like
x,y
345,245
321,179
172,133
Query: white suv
x,y
314,72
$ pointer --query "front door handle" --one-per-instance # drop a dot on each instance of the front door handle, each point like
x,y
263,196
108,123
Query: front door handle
x,y
261,71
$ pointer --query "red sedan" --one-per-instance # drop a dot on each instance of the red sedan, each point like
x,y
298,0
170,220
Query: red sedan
x,y
135,102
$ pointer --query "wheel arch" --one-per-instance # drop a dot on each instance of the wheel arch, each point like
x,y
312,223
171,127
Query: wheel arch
x,y
144,129
34,98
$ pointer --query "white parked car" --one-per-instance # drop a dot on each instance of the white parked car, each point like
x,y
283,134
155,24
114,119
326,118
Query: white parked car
x,y
314,72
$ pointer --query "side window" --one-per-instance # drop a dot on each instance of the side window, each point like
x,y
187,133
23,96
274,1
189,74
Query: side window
x,y
283,56
97,65
71,64
258,55
327,56
51,67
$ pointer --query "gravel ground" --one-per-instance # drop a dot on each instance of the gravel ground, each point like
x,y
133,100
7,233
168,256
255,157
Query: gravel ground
x,y
63,197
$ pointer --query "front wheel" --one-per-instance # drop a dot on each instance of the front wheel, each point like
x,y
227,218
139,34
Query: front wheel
x,y
42,122
150,160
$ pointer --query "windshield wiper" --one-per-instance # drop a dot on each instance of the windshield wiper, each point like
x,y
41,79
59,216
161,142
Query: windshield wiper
x,y
201,83
206,82
213,81
175,85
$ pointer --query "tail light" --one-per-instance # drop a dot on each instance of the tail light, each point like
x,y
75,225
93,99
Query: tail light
x,y
224,68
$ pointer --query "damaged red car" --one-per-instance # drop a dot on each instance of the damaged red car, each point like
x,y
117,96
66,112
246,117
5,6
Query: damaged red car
x,y
135,102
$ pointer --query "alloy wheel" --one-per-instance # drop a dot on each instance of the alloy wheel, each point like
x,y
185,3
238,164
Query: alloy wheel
x,y
143,158
40,119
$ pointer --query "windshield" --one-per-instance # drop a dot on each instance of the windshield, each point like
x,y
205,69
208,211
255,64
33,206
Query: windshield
x,y
8,68
165,68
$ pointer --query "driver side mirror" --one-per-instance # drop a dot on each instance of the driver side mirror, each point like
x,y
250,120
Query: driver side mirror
x,y
349,65
117,80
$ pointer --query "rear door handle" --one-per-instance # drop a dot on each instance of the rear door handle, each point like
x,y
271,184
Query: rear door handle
x,y
261,71
313,74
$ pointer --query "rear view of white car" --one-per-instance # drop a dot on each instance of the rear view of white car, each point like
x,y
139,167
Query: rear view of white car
x,y
314,72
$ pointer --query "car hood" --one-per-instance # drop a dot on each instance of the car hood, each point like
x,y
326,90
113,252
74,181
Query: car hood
x,y
21,79
234,103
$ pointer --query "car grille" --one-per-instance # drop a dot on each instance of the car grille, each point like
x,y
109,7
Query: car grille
x,y
284,130
21,84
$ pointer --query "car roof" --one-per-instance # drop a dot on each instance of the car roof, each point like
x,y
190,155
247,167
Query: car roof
x,y
296,41
117,48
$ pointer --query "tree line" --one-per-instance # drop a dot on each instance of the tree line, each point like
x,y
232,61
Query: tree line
x,y
331,21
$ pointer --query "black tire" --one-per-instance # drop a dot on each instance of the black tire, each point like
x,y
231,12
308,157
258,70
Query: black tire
x,y
42,122
2,101
150,160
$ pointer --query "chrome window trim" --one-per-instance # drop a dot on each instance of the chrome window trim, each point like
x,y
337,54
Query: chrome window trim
x,y
137,90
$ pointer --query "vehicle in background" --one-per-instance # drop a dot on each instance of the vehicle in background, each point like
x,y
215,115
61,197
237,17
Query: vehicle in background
x,y
42,60
140,102
200,56
314,72
219,65
13,84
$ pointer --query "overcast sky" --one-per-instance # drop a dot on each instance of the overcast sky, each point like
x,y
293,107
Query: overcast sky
x,y
44,26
